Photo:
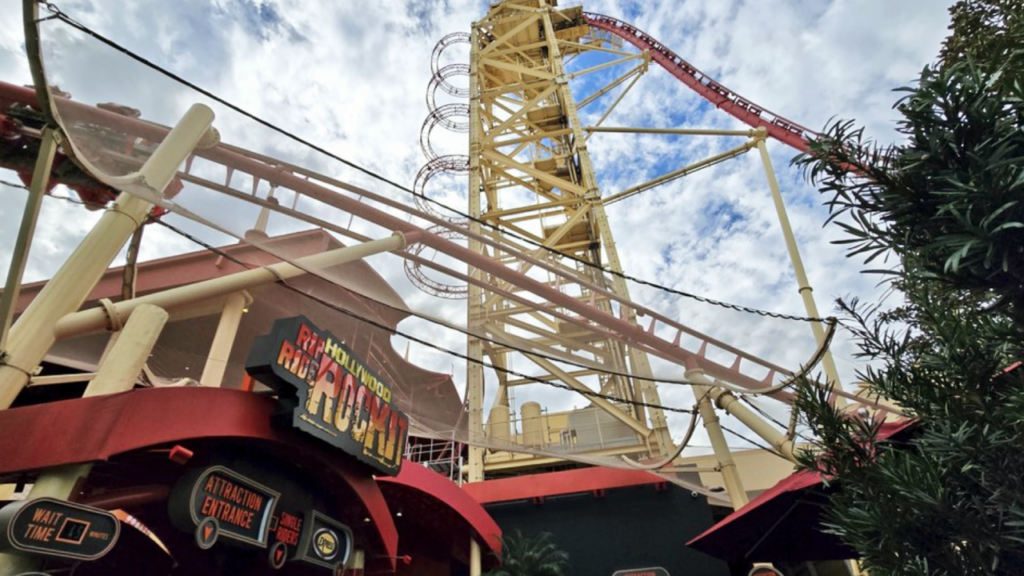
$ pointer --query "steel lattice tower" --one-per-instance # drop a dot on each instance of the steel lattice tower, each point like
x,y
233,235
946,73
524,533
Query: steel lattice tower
x,y
530,173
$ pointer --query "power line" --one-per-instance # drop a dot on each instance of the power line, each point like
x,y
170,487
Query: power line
x,y
59,15
421,341
453,353
755,444
466,332
13,185
768,416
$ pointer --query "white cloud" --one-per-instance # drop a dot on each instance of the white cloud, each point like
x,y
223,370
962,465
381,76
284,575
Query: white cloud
x,y
350,77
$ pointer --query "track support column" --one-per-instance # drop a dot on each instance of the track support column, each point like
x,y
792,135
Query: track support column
x,y
475,309
33,334
731,476
475,560
224,339
23,244
806,292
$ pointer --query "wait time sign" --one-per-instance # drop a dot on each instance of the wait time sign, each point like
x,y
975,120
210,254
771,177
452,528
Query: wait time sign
x,y
55,528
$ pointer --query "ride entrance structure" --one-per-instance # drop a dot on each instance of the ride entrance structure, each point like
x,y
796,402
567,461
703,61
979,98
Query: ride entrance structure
x,y
284,451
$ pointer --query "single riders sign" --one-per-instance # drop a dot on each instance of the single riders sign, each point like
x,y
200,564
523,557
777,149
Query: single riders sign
x,y
337,397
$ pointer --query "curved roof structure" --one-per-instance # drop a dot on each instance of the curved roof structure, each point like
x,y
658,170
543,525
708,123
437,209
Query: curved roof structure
x,y
423,395
113,429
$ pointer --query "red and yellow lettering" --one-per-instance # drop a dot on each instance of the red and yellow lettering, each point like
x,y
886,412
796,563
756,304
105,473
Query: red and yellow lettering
x,y
346,397
284,356
305,335
377,428
325,390
358,411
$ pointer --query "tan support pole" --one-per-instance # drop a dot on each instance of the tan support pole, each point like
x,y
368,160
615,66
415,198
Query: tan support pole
x,y
224,339
475,310
357,564
96,318
118,374
29,217
731,476
475,561
804,286
777,440
130,353
33,335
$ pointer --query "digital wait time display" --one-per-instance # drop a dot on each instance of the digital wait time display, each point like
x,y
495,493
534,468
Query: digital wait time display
x,y
73,531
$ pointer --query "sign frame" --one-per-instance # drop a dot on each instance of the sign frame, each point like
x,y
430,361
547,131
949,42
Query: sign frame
x,y
650,571
185,495
330,392
760,571
11,514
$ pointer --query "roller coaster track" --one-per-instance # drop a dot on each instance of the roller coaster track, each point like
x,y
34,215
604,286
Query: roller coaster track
x,y
662,337
783,130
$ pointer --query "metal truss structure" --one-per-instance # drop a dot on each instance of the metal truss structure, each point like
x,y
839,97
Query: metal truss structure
x,y
544,280
530,174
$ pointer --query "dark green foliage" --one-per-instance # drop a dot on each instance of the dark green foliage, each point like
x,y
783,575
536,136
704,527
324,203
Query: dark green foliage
x,y
531,556
951,197
989,33
947,204
951,501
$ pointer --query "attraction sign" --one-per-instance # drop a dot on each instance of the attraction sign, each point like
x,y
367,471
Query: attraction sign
x,y
288,529
220,503
325,542
336,397
55,528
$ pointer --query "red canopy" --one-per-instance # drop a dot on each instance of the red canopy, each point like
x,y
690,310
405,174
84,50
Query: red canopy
x,y
103,428
783,523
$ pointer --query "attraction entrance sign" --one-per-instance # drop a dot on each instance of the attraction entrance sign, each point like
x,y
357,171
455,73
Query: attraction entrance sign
x,y
222,505
332,393
55,528
240,507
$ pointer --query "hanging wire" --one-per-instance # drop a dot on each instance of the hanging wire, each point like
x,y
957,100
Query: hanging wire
x,y
764,414
692,411
13,185
767,390
755,444
59,15
418,340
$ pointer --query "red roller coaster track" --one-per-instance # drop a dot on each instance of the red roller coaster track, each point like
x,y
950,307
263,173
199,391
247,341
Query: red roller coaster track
x,y
783,130
662,337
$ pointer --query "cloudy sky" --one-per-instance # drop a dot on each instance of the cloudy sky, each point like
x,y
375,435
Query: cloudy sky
x,y
350,77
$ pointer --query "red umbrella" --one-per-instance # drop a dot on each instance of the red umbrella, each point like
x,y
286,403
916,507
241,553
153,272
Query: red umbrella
x,y
783,524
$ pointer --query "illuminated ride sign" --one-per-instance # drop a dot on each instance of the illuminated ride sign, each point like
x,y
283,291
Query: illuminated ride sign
x,y
221,503
55,528
338,399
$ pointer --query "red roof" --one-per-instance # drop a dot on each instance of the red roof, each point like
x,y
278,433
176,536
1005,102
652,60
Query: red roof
x,y
774,525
